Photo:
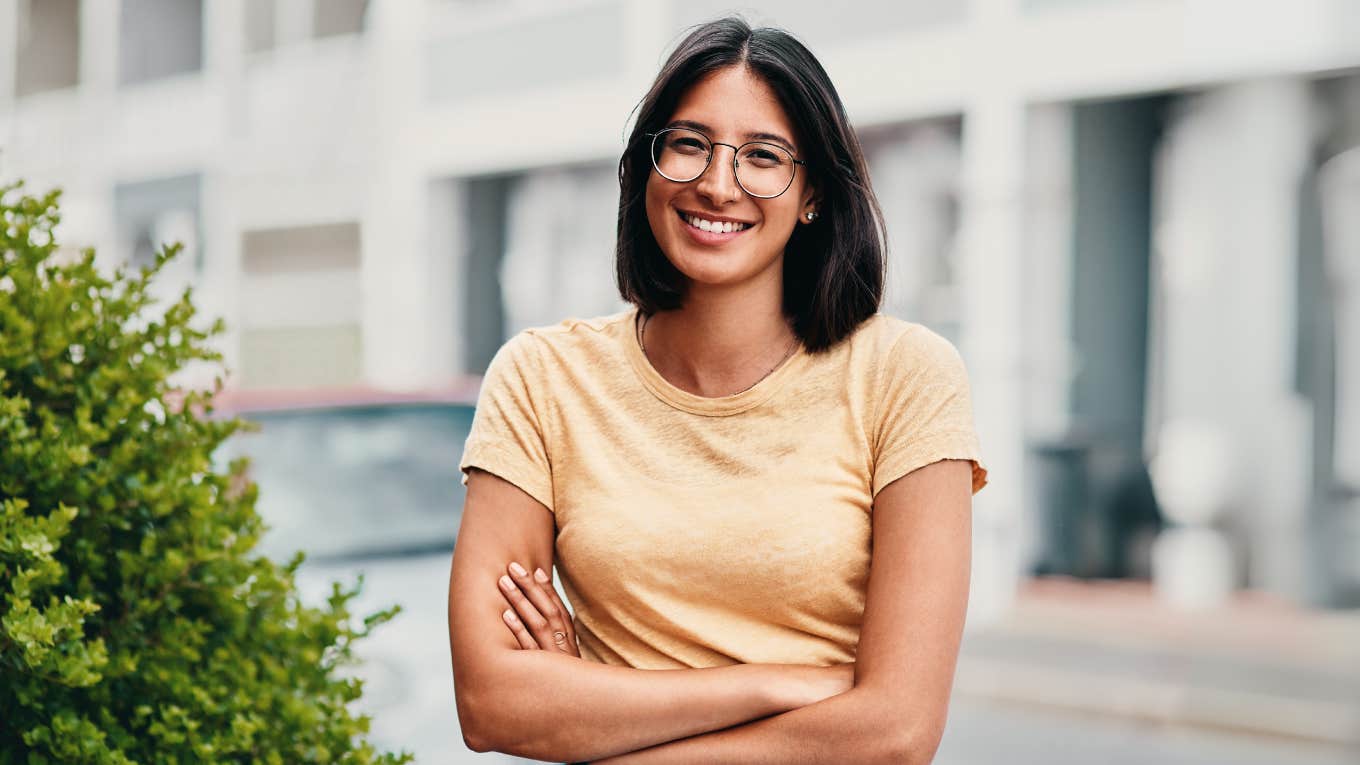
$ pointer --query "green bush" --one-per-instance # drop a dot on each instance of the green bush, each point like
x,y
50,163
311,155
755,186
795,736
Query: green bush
x,y
136,625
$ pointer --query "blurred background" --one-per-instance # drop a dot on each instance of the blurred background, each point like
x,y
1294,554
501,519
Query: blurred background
x,y
1138,220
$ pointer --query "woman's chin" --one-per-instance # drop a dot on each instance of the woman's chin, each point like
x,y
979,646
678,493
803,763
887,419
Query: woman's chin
x,y
712,269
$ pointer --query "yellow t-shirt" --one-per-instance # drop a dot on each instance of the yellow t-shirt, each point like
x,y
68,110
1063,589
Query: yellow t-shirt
x,y
695,531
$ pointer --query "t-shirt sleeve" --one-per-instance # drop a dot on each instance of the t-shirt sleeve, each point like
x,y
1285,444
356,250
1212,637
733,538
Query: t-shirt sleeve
x,y
925,412
507,436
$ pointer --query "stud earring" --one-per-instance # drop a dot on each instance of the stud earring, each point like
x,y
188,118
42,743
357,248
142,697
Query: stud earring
x,y
811,217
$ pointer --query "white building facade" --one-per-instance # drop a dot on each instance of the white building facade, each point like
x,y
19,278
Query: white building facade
x,y
1135,218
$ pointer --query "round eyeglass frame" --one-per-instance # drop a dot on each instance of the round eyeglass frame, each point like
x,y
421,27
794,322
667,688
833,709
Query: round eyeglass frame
x,y
736,151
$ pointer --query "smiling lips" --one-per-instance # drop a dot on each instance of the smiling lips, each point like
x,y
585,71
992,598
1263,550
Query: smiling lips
x,y
723,229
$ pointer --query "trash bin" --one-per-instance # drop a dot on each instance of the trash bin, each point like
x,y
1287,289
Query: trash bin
x,y
1062,494
1096,508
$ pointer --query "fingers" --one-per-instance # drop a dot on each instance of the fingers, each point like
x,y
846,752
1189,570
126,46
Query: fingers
x,y
540,612
531,589
542,577
517,629
528,615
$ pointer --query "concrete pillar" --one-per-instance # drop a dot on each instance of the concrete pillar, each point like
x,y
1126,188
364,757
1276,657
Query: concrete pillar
x,y
990,338
990,341
293,21
223,42
224,73
394,271
94,182
99,29
1224,298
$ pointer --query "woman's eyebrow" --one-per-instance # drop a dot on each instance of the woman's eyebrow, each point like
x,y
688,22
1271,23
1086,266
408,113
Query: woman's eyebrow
x,y
701,127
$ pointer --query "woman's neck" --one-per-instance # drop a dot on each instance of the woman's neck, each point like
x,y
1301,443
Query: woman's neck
x,y
719,344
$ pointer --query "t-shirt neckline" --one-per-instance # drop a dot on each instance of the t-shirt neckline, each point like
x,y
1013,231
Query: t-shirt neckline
x,y
705,405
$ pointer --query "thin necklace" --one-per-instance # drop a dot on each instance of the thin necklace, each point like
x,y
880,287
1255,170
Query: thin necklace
x,y
643,333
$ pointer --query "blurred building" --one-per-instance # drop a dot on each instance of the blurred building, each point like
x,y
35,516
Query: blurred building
x,y
1136,218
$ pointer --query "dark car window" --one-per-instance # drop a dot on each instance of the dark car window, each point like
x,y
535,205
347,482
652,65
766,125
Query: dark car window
x,y
357,481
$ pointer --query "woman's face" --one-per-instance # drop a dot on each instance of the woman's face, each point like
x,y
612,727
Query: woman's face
x,y
729,106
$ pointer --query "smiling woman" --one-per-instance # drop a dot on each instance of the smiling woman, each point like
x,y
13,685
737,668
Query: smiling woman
x,y
716,471
694,204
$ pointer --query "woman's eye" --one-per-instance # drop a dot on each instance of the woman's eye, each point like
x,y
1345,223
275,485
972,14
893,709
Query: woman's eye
x,y
764,157
688,145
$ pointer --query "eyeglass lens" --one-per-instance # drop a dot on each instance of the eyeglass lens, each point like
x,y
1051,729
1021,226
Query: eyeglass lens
x,y
763,169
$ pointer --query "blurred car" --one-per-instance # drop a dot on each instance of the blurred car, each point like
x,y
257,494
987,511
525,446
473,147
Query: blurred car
x,y
367,482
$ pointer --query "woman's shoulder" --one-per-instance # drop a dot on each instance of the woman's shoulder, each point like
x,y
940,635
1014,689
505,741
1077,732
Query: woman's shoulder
x,y
894,344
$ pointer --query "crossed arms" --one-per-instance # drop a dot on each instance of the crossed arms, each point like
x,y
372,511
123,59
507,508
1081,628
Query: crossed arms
x,y
549,705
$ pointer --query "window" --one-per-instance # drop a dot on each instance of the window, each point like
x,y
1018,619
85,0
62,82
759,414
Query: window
x,y
159,38
48,56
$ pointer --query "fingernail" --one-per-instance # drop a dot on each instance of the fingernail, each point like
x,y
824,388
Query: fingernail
x,y
518,569
506,583
540,576
510,616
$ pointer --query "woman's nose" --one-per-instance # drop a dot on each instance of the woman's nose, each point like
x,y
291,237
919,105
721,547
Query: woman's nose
x,y
718,182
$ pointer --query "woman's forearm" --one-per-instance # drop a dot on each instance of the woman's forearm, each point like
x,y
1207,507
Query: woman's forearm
x,y
550,706
858,726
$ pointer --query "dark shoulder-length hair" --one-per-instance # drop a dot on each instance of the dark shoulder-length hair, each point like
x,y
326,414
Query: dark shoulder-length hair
x,y
834,268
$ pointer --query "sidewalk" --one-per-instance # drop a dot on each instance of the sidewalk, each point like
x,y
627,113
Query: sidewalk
x,y
1257,665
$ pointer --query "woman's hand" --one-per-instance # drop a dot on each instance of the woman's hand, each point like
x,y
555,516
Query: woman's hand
x,y
537,617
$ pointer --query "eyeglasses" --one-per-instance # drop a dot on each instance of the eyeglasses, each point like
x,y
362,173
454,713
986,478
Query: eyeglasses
x,y
763,170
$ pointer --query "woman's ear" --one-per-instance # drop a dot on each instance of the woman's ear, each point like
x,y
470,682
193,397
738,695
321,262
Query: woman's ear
x,y
812,206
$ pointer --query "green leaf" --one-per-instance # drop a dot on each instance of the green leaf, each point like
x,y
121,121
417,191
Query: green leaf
x,y
137,624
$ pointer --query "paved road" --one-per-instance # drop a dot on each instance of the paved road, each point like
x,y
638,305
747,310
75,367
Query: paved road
x,y
986,733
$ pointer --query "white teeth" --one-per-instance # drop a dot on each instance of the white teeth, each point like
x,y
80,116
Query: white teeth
x,y
723,227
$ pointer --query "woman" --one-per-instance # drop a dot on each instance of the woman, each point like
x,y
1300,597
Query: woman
x,y
718,467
